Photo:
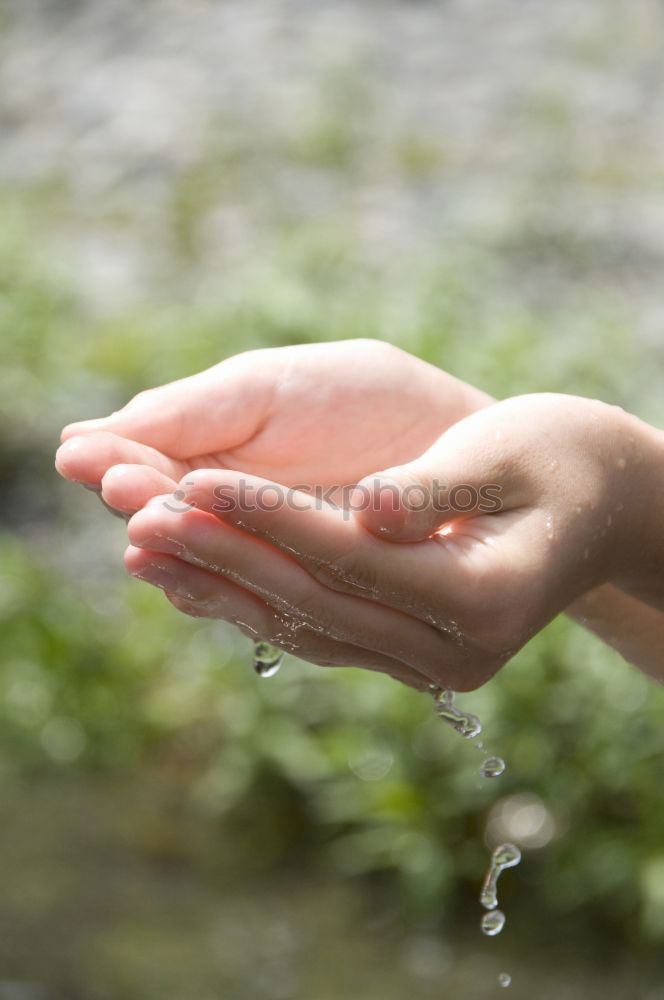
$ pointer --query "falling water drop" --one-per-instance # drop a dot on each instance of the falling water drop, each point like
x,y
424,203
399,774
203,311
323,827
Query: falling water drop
x,y
492,767
267,658
464,722
504,980
493,922
505,856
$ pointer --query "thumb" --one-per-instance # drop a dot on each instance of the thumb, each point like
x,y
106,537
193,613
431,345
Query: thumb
x,y
459,477
211,411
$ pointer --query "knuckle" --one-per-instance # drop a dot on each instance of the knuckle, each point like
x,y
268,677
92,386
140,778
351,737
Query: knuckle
x,y
380,348
140,399
327,575
308,616
305,607
191,608
347,575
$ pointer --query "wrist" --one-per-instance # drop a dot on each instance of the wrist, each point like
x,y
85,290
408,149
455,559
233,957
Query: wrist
x,y
639,494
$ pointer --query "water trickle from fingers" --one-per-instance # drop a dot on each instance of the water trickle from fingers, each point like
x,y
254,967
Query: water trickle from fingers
x,y
267,658
505,855
493,923
468,725
492,767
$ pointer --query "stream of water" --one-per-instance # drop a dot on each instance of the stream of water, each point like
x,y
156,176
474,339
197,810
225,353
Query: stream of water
x,y
505,855
267,661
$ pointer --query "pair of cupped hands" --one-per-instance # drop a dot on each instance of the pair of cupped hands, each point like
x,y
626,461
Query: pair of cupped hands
x,y
473,525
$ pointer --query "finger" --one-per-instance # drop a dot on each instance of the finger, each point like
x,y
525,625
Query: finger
x,y
87,457
213,410
199,538
201,594
127,488
456,586
336,549
473,469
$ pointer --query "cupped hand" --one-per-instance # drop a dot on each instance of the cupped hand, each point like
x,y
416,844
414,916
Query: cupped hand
x,y
462,590
311,415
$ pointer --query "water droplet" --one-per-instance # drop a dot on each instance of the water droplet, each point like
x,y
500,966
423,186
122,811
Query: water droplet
x,y
504,980
609,520
621,463
493,923
267,658
507,855
550,531
586,553
504,856
492,767
578,509
468,725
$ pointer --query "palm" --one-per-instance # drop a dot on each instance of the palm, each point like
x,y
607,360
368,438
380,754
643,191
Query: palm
x,y
335,412
323,414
